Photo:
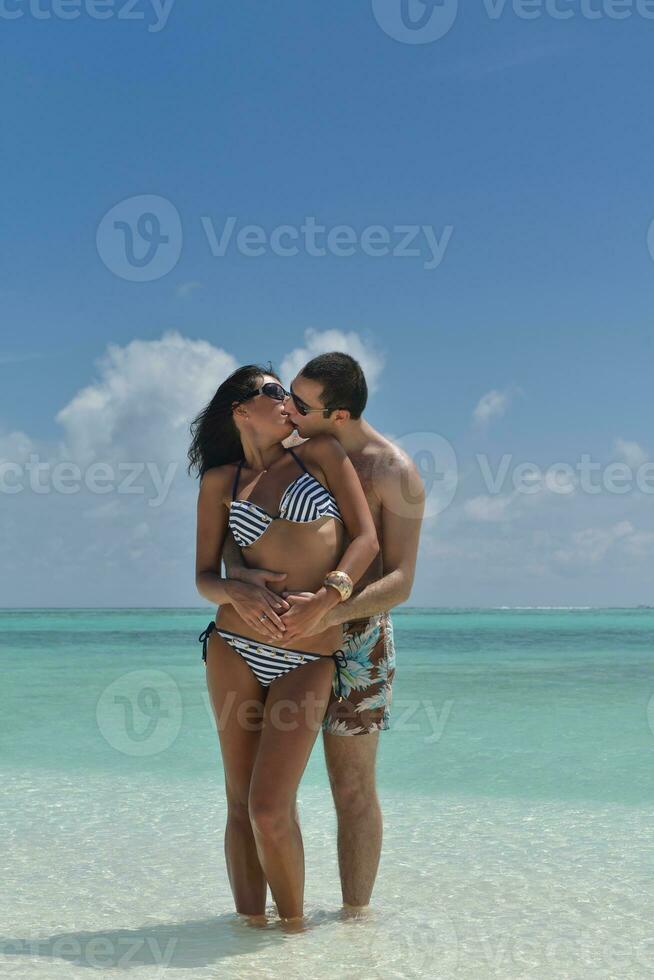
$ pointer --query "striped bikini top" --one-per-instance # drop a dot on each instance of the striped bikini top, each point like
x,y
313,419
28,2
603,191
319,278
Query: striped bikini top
x,y
304,500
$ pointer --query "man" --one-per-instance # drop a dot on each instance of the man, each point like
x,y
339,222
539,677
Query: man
x,y
329,396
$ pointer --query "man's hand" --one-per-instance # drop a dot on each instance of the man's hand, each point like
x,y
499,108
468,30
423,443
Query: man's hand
x,y
259,607
260,577
306,615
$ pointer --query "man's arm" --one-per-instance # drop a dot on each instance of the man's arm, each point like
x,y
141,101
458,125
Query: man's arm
x,y
402,497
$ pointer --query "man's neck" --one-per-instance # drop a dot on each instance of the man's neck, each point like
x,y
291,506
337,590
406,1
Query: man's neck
x,y
355,435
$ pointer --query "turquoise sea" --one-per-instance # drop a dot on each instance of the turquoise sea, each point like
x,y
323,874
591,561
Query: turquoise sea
x,y
517,784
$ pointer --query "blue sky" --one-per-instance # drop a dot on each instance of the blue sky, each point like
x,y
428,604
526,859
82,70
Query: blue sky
x,y
529,139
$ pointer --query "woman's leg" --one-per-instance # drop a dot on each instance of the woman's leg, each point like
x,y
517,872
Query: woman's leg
x,y
237,699
293,714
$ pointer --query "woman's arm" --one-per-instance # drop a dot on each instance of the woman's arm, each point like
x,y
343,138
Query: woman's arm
x,y
308,611
211,529
346,487
249,601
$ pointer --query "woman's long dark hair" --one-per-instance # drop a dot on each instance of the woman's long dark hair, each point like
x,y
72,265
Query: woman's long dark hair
x,y
215,438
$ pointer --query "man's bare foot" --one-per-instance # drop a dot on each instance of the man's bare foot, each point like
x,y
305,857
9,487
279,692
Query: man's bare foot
x,y
355,911
295,923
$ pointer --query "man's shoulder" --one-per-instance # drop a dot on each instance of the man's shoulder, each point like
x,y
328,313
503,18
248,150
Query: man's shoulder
x,y
397,481
393,464
386,457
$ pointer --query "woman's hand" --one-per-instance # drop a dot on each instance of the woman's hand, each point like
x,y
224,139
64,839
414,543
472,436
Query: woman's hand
x,y
258,607
306,617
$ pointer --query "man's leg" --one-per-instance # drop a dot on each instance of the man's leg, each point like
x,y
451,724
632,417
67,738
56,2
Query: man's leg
x,y
351,730
351,768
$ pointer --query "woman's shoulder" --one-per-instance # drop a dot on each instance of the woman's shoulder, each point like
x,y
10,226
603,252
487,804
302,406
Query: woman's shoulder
x,y
217,479
319,449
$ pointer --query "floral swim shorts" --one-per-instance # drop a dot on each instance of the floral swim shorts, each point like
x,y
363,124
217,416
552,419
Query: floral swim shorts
x,y
367,679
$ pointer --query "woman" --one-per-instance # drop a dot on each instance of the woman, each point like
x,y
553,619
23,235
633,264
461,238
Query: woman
x,y
290,510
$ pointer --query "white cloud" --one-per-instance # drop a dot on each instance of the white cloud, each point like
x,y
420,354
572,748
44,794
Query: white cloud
x,y
16,446
492,405
591,545
534,492
547,557
93,548
633,454
141,405
185,288
322,341
13,358
559,481
640,544
134,544
491,509
115,549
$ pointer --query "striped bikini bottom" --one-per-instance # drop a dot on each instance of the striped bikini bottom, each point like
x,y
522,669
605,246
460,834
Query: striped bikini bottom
x,y
268,662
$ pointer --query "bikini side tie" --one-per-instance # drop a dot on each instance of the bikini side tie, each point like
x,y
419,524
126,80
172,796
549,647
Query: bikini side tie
x,y
203,638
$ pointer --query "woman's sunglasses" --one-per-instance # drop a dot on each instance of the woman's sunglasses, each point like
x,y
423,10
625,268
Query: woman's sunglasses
x,y
271,388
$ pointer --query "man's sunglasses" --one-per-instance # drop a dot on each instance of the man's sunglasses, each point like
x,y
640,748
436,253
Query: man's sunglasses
x,y
271,388
304,409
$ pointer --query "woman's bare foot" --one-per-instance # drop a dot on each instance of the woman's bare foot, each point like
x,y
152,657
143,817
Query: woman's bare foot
x,y
253,920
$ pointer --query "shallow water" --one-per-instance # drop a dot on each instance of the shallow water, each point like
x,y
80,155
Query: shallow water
x,y
516,783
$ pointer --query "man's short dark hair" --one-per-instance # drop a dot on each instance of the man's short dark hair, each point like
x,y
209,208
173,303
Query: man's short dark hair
x,y
343,381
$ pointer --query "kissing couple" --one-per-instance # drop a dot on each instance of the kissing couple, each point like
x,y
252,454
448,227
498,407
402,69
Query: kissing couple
x,y
318,532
